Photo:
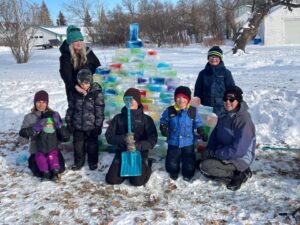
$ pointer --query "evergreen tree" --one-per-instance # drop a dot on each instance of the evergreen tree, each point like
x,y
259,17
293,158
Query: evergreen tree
x,y
61,20
45,18
87,20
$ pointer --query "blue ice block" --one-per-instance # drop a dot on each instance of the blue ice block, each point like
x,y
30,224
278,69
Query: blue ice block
x,y
134,31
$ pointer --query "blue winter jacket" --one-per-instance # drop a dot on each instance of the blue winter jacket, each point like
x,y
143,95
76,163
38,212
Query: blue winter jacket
x,y
181,127
211,84
233,138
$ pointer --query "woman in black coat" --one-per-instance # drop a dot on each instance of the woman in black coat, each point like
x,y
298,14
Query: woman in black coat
x,y
74,57
143,138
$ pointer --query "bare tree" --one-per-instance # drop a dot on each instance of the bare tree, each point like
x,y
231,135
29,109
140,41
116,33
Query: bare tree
x,y
260,9
16,27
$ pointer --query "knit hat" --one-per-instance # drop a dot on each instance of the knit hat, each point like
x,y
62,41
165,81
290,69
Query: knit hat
x,y
184,92
84,75
234,92
215,51
135,93
41,96
73,34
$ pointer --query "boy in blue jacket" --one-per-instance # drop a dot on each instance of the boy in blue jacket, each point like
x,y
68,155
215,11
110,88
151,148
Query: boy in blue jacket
x,y
177,124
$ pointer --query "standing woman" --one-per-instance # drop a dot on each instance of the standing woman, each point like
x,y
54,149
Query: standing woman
x,y
231,147
75,56
213,81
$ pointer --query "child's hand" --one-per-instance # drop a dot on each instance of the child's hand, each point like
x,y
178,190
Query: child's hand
x,y
164,129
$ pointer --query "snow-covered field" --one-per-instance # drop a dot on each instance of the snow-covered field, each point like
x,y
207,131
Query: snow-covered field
x,y
270,78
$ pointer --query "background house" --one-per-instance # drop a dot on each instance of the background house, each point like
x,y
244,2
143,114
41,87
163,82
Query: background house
x,y
279,27
44,34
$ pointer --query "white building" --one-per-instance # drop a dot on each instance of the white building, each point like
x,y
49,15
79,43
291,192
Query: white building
x,y
279,27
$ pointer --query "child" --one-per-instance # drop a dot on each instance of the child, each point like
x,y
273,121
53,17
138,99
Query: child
x,y
177,124
45,129
143,138
84,118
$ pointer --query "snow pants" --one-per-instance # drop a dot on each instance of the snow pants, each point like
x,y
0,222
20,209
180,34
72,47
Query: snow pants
x,y
48,161
217,168
85,142
113,174
185,156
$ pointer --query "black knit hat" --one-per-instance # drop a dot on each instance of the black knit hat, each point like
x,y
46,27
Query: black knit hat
x,y
135,93
234,91
41,96
215,51
84,75
184,92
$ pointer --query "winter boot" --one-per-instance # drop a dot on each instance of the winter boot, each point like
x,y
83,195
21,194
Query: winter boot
x,y
46,176
56,176
93,167
76,167
174,176
238,179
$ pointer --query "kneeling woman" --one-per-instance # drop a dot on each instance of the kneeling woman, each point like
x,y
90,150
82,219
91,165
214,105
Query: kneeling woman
x,y
45,129
231,146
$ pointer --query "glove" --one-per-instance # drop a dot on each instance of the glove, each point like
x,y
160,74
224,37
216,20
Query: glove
x,y
57,121
202,133
38,126
164,129
130,142
207,154
97,131
70,128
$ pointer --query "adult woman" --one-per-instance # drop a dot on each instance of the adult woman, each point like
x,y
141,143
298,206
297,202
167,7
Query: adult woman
x,y
74,57
231,146
213,81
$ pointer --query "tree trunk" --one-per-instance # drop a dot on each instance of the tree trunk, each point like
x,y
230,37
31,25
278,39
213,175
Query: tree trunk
x,y
250,30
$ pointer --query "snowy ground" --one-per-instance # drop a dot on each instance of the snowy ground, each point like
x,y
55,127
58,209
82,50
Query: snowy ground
x,y
270,78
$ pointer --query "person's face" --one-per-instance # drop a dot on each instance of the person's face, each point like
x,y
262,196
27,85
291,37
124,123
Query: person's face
x,y
181,102
214,60
134,104
77,46
41,106
85,85
230,103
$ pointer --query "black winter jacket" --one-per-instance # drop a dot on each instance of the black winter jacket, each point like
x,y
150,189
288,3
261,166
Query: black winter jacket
x,y
142,126
67,71
211,84
86,113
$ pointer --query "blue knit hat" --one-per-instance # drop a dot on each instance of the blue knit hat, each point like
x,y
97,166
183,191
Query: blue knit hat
x,y
73,34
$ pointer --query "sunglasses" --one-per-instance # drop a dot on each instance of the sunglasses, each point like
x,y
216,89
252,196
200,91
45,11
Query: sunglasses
x,y
229,99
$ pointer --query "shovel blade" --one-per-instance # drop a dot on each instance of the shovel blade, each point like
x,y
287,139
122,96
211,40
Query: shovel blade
x,y
131,164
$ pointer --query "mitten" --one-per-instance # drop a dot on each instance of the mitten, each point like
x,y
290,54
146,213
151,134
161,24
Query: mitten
x,y
38,126
57,121
164,129
97,131
130,142
207,154
202,133
70,128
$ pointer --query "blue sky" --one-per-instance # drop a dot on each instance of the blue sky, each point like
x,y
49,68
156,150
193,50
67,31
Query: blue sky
x,y
55,5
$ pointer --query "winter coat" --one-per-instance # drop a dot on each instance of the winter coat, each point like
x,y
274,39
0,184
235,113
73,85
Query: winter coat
x,y
67,71
86,113
42,141
181,127
211,84
142,126
233,138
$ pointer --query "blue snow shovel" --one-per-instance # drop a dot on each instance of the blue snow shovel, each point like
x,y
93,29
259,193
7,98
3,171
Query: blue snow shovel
x,y
131,162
